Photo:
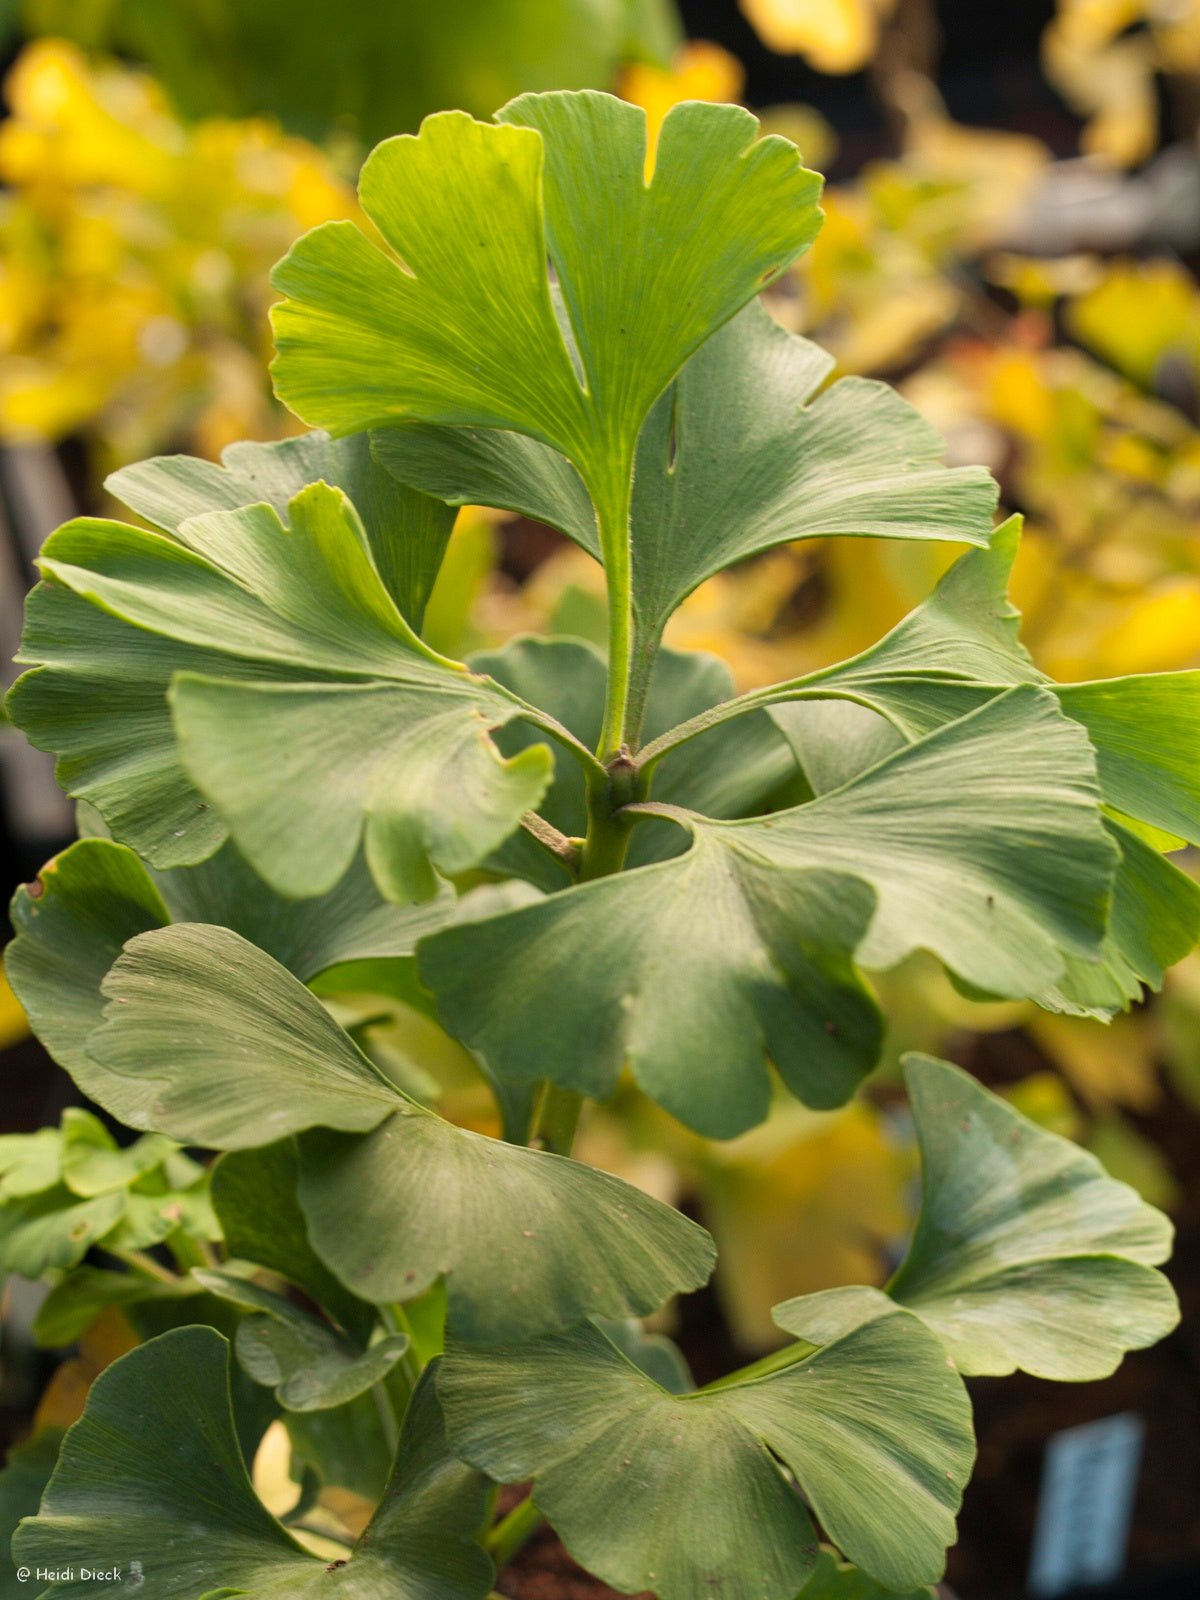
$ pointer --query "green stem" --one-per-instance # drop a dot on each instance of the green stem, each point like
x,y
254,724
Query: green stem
x,y
139,1261
612,500
777,1361
387,1418
512,1532
395,1320
809,688
556,1119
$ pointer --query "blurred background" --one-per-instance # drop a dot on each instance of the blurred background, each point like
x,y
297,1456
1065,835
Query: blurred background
x,y
1012,238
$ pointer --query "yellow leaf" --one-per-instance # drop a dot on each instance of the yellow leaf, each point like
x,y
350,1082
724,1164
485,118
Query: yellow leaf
x,y
833,35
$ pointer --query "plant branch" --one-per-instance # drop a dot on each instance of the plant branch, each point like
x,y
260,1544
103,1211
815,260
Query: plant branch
x,y
817,686
512,1532
139,1261
565,850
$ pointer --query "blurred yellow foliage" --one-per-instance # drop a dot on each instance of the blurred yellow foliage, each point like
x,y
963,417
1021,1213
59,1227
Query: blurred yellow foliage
x,y
1104,57
833,35
134,253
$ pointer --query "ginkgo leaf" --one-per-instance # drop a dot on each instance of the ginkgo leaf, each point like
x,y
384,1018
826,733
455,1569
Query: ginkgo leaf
x,y
961,647
151,1481
1026,1254
254,1196
219,1040
74,921
227,1048
465,327
406,531
1154,922
742,453
524,1239
688,969
308,1364
252,635
874,1425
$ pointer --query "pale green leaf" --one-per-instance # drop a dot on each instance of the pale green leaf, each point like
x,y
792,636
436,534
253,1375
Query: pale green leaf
x,y
1027,1254
406,531
464,329
242,634
875,1426
53,1229
151,1481
29,1162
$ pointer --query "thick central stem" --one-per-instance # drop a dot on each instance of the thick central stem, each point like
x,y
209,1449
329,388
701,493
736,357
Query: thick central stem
x,y
612,497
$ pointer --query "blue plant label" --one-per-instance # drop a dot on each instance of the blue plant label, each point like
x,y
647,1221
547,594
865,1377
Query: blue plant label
x,y
1089,1480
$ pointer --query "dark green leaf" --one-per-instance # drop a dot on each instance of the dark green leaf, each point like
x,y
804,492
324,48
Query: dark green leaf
x,y
222,1041
875,1426
254,1192
688,969
151,1481
309,1365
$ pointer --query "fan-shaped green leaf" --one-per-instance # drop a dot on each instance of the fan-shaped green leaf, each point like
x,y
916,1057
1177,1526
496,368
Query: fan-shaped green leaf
x,y
959,649
525,1240
406,531
150,1481
1027,1254
300,649
464,327
875,1426
741,454
689,968
73,923
222,1041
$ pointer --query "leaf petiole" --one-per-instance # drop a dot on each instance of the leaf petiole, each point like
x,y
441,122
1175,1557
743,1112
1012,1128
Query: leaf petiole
x,y
512,1532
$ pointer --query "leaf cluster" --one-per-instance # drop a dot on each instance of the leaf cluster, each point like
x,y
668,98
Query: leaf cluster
x,y
578,866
